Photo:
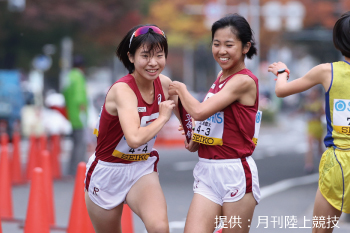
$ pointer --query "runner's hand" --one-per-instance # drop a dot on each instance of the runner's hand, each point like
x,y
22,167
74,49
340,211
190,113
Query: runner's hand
x,y
174,87
166,108
274,67
181,129
192,146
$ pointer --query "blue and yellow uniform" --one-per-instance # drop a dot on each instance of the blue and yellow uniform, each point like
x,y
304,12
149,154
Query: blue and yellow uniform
x,y
314,112
334,181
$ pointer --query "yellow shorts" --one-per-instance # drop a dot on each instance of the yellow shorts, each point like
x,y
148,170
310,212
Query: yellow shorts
x,y
334,180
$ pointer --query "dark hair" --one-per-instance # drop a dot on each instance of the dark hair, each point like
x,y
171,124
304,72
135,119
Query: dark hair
x,y
341,34
78,61
151,39
239,27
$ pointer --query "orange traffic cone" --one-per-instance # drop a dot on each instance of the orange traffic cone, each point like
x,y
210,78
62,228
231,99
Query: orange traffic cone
x,y
43,142
6,208
55,156
127,222
4,139
37,218
78,214
33,158
17,177
48,189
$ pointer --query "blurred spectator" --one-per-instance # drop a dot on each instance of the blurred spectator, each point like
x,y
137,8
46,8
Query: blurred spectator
x,y
313,109
54,117
11,101
76,104
56,101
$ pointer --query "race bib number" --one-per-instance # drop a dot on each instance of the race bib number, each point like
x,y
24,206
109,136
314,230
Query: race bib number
x,y
209,131
341,116
125,152
257,126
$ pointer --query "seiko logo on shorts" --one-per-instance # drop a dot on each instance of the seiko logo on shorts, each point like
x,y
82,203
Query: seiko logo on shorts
x,y
212,86
159,98
234,193
95,191
141,109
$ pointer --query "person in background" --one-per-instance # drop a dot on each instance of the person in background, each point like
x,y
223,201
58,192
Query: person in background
x,y
313,110
76,104
333,193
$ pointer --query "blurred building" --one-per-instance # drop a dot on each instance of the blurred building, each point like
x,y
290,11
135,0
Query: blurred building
x,y
316,32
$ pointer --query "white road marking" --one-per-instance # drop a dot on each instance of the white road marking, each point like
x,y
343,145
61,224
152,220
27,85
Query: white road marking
x,y
283,185
266,191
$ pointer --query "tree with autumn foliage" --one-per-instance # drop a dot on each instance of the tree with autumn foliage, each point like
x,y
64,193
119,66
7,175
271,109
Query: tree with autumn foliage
x,y
94,26
181,28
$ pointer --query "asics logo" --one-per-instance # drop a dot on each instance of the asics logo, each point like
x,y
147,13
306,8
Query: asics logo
x,y
234,193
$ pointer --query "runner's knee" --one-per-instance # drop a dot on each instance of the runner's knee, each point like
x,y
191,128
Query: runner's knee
x,y
158,227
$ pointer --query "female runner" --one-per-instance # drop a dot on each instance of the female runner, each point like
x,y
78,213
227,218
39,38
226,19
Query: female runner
x,y
226,185
333,194
123,168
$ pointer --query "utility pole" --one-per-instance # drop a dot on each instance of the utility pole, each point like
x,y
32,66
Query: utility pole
x,y
66,61
255,25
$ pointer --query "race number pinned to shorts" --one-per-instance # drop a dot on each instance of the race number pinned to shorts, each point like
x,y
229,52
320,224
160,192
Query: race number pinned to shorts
x,y
341,116
141,153
210,131
258,118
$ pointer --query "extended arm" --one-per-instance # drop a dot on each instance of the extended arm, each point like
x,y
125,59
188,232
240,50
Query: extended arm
x,y
234,90
320,74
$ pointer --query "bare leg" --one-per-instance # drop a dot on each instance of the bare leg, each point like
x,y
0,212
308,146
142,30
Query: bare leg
x,y
147,200
201,215
323,208
78,153
309,159
104,221
241,213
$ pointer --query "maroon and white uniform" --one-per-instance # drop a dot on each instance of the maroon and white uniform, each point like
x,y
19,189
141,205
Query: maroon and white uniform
x,y
115,167
225,171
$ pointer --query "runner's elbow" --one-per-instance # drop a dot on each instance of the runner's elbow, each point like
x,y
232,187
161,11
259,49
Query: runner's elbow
x,y
280,93
199,115
134,142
